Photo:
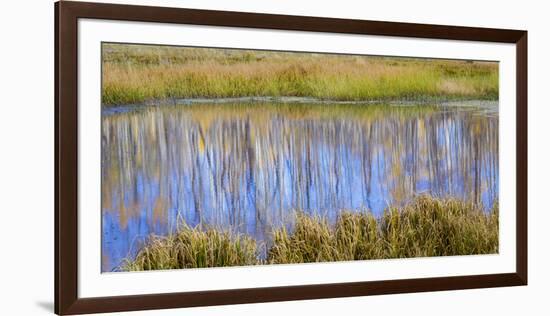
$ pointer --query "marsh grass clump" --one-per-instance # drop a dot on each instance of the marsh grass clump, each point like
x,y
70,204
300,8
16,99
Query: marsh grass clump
x,y
423,228
432,227
194,248
310,241
355,236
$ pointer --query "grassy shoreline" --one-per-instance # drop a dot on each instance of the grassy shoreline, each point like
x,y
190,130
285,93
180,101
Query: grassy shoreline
x,y
425,227
138,73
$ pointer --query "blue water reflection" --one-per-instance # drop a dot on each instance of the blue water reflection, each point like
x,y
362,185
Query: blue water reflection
x,y
248,167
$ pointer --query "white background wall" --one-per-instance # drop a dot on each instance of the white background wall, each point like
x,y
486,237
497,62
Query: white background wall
x,y
26,157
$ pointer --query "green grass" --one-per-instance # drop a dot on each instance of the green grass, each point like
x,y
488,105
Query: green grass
x,y
137,73
425,227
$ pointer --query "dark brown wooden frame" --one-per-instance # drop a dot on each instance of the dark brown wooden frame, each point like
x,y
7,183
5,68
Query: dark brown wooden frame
x,y
66,156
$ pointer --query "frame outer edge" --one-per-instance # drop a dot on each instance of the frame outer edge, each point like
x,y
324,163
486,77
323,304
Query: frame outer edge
x,y
66,232
56,158
292,22
291,293
521,158
66,154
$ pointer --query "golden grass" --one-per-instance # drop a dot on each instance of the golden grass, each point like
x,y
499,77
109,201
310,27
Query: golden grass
x,y
136,73
426,227
193,248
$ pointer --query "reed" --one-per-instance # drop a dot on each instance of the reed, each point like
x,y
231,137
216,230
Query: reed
x,y
426,227
193,248
137,73
431,227
423,228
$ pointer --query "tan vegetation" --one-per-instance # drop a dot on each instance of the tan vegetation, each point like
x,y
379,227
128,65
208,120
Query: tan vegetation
x,y
426,227
138,73
194,248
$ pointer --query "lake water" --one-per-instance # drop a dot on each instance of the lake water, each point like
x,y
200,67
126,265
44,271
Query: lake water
x,y
248,167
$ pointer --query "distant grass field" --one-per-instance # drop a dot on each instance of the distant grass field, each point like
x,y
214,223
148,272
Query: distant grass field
x,y
425,227
140,73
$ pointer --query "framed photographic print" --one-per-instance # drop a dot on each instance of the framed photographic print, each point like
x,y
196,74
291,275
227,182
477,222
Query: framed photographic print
x,y
210,157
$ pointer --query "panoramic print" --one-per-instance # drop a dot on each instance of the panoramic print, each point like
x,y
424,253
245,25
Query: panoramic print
x,y
217,157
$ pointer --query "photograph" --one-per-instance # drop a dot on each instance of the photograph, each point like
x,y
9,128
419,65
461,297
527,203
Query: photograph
x,y
221,157
245,158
